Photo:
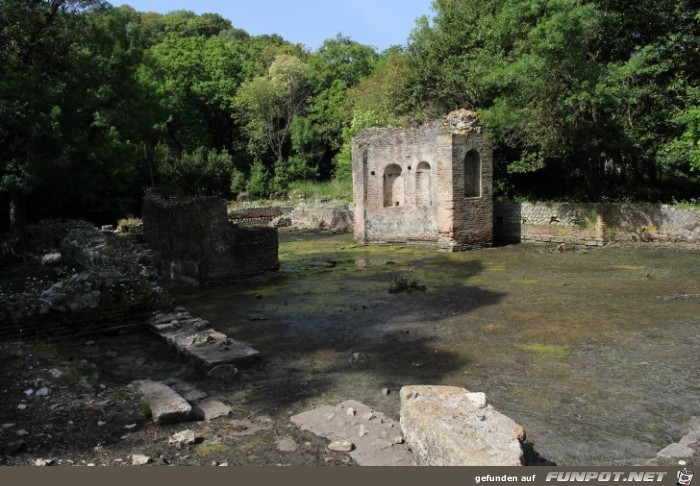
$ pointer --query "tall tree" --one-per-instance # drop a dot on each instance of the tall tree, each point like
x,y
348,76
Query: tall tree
x,y
338,65
268,105
36,39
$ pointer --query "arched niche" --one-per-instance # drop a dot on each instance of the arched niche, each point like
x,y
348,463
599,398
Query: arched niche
x,y
393,186
424,185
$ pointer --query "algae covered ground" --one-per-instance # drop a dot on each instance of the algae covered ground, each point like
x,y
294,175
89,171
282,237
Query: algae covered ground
x,y
594,352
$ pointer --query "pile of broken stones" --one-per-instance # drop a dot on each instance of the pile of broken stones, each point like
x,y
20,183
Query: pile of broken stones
x,y
104,268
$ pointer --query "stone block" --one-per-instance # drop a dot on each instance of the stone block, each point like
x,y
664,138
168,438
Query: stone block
x,y
211,409
448,426
166,405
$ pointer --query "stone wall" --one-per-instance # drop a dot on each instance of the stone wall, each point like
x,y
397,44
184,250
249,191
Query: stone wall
x,y
195,242
417,185
323,215
594,224
257,214
651,222
326,216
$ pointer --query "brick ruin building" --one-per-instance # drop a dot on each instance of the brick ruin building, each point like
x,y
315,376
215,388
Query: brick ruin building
x,y
195,242
432,184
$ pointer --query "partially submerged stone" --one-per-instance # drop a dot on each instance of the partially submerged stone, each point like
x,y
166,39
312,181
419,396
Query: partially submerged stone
x,y
225,373
448,426
166,405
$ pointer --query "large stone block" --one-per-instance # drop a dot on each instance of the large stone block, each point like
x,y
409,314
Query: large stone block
x,y
448,426
166,405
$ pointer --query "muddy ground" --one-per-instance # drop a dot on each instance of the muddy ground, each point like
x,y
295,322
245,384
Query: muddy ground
x,y
594,352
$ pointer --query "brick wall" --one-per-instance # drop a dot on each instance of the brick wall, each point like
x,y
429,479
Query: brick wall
x,y
195,242
473,216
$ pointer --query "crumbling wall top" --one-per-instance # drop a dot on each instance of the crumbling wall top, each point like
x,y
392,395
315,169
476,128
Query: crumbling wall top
x,y
458,122
463,122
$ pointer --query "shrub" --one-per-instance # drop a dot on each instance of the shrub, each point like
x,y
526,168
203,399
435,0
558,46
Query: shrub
x,y
405,283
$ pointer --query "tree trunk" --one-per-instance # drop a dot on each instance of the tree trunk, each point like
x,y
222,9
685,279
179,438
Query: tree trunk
x,y
19,239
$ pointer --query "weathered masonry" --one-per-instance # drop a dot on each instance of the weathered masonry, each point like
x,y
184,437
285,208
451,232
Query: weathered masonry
x,y
195,242
427,185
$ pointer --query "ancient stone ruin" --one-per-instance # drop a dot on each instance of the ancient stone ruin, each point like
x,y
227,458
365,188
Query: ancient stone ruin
x,y
427,185
195,242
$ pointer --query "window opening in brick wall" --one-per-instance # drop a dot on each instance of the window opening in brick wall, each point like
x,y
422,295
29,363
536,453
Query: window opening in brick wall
x,y
393,186
472,174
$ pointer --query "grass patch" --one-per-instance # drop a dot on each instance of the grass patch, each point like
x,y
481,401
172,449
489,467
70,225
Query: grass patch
x,y
75,377
403,283
629,267
334,189
146,409
546,351
250,445
130,225
209,449
497,267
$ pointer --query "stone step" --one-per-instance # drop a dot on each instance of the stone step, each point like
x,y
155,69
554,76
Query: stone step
x,y
372,438
206,347
166,405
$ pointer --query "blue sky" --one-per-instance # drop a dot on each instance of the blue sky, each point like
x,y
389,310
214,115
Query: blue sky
x,y
379,23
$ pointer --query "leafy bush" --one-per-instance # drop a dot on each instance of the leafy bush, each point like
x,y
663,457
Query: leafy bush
x,y
258,185
200,172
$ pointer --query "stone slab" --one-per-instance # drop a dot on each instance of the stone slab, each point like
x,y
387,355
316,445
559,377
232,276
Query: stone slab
x,y
376,439
207,347
211,355
448,426
166,405
210,410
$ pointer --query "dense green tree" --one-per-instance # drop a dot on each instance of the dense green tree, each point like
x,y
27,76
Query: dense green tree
x,y
197,78
338,65
199,172
268,105
580,97
66,87
378,100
